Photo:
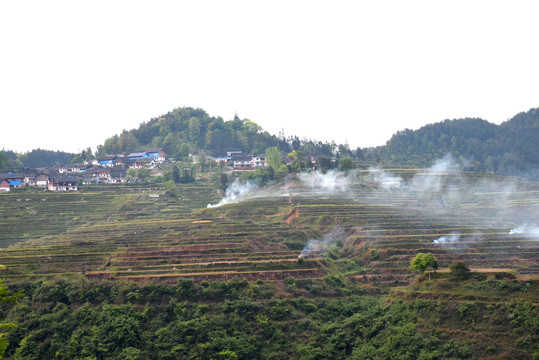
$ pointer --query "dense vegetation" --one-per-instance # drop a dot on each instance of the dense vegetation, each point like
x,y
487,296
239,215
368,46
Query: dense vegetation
x,y
510,148
229,320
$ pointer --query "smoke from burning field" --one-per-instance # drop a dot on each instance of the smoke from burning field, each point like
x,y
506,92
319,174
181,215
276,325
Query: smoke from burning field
x,y
526,230
321,245
238,191
441,194
445,240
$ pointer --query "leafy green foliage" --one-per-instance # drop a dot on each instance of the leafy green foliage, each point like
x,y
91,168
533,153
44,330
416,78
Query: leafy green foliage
x,y
422,262
219,320
273,157
346,164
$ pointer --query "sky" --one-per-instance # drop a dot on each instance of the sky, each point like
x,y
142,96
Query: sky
x,y
73,73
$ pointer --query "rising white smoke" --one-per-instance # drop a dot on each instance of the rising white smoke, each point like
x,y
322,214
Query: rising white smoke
x,y
331,182
446,240
236,192
431,181
385,180
526,230
320,246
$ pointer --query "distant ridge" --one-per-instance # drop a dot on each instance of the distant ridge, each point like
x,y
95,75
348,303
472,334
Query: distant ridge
x,y
511,148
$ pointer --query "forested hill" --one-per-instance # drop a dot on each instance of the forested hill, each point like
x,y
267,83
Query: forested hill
x,y
511,148
186,130
192,128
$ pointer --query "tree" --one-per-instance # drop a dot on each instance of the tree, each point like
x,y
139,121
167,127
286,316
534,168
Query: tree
x,y
184,151
282,172
460,270
423,262
194,130
143,174
131,174
5,162
171,189
224,181
296,159
346,164
176,174
273,158
325,163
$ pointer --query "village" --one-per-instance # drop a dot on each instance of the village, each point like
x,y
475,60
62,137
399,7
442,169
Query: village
x,y
114,169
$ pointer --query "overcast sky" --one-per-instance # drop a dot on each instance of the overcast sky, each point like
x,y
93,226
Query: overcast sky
x,y
73,73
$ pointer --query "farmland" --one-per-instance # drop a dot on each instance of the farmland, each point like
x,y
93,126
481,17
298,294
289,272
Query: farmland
x,y
321,238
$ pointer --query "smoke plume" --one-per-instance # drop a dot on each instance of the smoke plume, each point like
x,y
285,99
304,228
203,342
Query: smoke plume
x,y
384,179
445,240
525,230
329,183
320,246
236,192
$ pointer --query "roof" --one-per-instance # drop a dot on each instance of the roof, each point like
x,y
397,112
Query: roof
x,y
107,158
137,154
141,160
118,173
155,150
12,176
242,158
64,178
219,154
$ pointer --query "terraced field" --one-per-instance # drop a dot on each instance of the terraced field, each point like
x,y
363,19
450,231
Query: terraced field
x,y
32,214
122,233
314,239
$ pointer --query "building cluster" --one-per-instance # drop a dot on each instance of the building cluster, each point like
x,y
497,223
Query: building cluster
x,y
239,160
39,178
108,169
113,169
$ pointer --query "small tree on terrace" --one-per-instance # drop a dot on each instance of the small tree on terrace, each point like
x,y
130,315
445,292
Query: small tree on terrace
x,y
424,262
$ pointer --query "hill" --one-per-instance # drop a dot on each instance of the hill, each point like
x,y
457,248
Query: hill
x,y
187,130
510,148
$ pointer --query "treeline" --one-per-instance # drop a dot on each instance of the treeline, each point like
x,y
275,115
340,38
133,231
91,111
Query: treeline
x,y
187,130
507,149
235,319
33,159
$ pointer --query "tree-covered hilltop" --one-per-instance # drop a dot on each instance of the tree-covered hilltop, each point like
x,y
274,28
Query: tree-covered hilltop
x,y
186,130
506,149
